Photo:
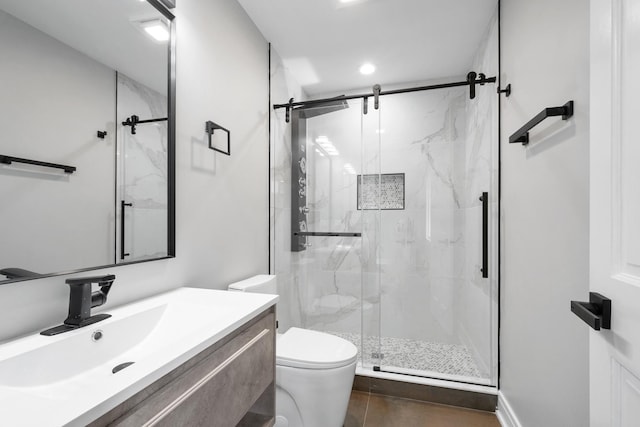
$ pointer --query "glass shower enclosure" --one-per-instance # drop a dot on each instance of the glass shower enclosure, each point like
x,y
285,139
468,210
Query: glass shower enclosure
x,y
384,229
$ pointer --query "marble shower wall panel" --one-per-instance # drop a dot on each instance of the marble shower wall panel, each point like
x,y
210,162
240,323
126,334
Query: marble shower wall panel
x,y
423,135
142,171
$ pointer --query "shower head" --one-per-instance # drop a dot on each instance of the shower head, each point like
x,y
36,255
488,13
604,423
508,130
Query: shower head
x,y
323,108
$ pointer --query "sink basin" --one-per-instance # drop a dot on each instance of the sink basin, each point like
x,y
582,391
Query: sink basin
x,y
76,353
75,377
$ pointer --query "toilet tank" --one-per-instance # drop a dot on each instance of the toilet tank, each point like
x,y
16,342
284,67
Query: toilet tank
x,y
262,283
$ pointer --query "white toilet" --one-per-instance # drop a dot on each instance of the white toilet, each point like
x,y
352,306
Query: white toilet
x,y
314,370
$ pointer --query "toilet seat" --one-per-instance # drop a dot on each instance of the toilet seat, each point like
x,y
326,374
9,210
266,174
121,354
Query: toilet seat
x,y
306,349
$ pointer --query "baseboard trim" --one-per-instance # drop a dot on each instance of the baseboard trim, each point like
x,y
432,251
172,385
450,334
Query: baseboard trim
x,y
506,415
427,393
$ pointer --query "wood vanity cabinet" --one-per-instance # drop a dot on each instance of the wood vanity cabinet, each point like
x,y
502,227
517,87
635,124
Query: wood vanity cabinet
x,y
231,383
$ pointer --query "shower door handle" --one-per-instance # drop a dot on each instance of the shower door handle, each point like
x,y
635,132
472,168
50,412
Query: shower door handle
x,y
122,206
485,234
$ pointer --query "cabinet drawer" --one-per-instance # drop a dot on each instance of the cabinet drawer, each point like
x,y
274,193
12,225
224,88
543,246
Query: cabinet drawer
x,y
217,391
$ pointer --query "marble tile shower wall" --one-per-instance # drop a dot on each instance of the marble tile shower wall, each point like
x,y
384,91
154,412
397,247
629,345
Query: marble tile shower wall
x,y
424,137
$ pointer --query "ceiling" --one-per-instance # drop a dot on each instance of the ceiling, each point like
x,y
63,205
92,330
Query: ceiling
x,y
324,42
103,30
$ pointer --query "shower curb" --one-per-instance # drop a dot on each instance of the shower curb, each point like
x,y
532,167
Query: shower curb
x,y
427,393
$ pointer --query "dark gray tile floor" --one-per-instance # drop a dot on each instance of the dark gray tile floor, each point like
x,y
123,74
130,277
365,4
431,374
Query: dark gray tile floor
x,y
375,410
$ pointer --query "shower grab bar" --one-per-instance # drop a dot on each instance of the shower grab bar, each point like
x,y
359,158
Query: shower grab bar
x,y
7,160
522,134
485,234
122,207
326,234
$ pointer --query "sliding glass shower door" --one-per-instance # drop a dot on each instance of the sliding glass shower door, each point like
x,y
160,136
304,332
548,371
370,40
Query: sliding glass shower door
x,y
380,235
437,286
321,277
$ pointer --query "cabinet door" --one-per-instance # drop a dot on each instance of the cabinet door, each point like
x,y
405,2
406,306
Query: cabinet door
x,y
220,390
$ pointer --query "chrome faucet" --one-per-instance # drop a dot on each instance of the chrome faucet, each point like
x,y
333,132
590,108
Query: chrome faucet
x,y
82,300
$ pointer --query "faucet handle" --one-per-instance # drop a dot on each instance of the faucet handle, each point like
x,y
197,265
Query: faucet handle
x,y
98,297
82,300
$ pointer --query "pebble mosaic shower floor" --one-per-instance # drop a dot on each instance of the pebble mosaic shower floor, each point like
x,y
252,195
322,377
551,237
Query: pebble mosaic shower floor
x,y
450,359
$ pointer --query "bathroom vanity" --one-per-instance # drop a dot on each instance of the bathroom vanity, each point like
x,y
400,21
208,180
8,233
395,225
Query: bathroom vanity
x,y
231,380
200,357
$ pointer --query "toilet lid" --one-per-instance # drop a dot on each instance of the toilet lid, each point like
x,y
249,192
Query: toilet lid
x,y
302,348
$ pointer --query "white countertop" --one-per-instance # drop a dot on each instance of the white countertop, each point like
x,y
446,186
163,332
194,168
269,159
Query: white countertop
x,y
67,379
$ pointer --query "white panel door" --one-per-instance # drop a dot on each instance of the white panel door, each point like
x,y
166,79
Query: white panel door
x,y
615,210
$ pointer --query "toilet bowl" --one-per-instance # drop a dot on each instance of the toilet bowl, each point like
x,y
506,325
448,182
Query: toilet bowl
x,y
314,370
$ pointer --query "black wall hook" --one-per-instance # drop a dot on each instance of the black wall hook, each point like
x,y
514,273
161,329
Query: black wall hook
x,y
506,90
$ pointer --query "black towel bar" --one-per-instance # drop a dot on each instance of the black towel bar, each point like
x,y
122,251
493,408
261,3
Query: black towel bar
x,y
7,160
522,134
326,234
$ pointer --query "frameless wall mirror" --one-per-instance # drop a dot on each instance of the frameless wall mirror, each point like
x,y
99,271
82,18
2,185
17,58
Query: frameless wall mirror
x,y
87,115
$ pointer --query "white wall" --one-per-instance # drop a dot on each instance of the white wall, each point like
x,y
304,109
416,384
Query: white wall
x,y
222,234
545,221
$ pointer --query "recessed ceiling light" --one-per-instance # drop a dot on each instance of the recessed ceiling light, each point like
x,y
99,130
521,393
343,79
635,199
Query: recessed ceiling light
x,y
157,29
367,69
